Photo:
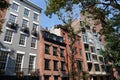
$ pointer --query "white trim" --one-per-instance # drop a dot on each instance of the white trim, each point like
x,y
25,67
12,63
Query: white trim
x,y
36,12
35,43
38,16
26,19
36,22
7,61
16,2
11,38
14,14
20,52
27,9
32,54
25,40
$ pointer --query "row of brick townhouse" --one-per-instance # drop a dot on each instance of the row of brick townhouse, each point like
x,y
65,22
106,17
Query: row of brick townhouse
x,y
28,49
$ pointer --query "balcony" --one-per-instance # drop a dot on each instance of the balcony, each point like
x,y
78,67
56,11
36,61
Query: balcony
x,y
25,29
12,25
34,32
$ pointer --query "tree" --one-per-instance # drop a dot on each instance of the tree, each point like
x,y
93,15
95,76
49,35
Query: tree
x,y
3,6
106,11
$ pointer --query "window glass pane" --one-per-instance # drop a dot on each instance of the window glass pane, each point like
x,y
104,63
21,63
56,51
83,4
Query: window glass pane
x,y
26,12
24,23
3,59
12,18
55,51
15,6
47,64
18,62
47,49
22,39
8,36
31,63
62,52
33,42
35,17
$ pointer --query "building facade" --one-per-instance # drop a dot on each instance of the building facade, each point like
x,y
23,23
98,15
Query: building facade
x,y
19,38
52,57
74,53
92,43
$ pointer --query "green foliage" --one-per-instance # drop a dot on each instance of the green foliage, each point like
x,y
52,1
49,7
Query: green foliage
x,y
112,49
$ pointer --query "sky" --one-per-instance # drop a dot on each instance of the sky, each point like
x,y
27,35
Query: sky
x,y
44,20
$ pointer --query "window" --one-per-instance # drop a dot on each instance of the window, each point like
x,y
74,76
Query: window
x,y
94,57
55,65
34,42
97,67
55,77
86,46
88,56
61,52
55,51
8,36
101,60
12,18
103,68
78,42
35,17
22,39
26,12
79,65
3,59
93,49
62,66
24,23
46,77
15,6
84,38
31,62
18,64
47,49
35,26
47,64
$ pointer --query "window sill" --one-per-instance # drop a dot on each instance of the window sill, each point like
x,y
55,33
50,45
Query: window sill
x,y
7,42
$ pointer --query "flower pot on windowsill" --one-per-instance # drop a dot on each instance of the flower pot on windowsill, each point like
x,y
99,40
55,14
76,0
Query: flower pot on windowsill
x,y
25,29
12,25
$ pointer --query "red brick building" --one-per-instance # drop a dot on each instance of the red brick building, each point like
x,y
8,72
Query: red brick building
x,y
52,57
77,57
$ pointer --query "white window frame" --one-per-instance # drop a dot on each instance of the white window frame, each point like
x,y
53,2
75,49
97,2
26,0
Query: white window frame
x,y
20,52
14,15
25,40
7,61
27,20
37,24
27,9
33,54
11,38
17,4
35,43
38,16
